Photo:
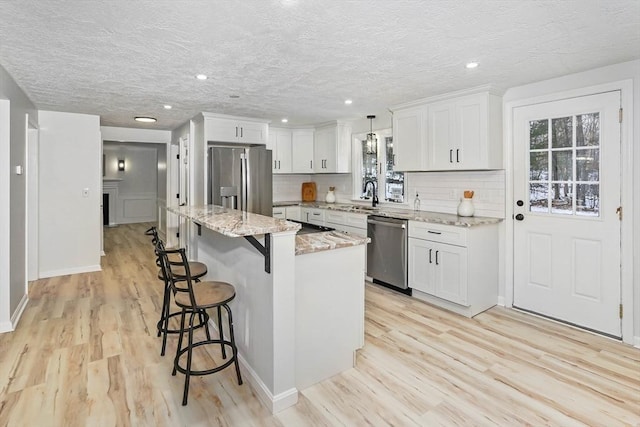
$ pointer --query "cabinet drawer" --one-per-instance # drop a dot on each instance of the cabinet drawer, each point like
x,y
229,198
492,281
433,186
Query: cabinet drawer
x,y
356,220
335,217
278,213
438,233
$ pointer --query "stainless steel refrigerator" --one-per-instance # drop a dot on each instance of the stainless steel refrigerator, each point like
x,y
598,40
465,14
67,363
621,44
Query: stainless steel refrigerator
x,y
239,177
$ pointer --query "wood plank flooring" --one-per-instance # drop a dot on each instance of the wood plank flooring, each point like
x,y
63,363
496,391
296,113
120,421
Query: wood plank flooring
x,y
86,354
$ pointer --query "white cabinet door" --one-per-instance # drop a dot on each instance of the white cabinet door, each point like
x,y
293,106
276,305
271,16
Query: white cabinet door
x,y
232,130
463,133
313,216
420,267
324,150
450,272
222,130
302,151
252,132
332,149
280,144
409,145
293,213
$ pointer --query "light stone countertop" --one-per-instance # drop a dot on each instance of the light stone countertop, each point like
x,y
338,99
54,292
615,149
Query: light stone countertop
x,y
233,223
327,240
424,216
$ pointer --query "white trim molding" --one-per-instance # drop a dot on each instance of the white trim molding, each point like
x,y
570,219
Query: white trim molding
x,y
67,271
15,317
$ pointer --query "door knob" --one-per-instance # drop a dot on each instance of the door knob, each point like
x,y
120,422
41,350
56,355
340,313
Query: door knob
x,y
519,217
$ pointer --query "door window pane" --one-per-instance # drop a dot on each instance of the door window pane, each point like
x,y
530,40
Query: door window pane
x,y
588,199
539,134
539,197
588,165
562,165
588,130
562,198
539,166
562,135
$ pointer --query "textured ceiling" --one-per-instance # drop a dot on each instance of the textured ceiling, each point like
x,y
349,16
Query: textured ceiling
x,y
295,58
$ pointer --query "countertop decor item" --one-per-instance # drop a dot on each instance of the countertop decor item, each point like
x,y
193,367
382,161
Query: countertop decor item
x,y
309,191
331,196
466,208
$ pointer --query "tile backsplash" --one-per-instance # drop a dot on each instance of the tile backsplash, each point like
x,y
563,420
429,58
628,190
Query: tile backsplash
x,y
439,191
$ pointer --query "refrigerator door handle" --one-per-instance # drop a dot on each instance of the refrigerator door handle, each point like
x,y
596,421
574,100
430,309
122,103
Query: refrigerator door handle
x,y
243,182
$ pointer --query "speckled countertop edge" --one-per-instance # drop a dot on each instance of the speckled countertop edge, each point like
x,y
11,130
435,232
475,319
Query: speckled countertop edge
x,y
424,216
327,240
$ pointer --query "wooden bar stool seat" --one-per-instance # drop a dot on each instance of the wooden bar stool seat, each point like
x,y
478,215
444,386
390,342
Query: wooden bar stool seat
x,y
197,299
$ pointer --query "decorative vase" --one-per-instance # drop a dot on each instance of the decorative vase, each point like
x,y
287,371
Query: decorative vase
x,y
330,197
465,208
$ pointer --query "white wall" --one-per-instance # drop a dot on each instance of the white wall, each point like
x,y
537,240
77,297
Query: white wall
x,y
15,106
70,160
138,191
575,85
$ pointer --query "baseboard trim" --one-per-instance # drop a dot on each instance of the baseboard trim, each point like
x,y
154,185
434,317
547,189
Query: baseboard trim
x,y
501,301
636,341
5,327
273,403
67,271
15,318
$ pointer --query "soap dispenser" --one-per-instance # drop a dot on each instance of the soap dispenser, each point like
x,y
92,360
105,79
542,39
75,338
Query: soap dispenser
x,y
416,203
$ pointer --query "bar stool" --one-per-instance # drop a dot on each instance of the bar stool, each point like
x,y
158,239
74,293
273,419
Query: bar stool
x,y
198,299
197,270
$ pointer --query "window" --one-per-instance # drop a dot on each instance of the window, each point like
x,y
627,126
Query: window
x,y
376,169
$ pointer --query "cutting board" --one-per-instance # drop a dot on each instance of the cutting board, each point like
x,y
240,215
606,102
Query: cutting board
x,y
309,191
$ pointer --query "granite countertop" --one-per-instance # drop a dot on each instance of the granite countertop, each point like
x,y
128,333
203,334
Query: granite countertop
x,y
233,223
424,216
327,240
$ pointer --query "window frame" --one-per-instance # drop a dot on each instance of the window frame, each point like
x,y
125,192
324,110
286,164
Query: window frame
x,y
357,178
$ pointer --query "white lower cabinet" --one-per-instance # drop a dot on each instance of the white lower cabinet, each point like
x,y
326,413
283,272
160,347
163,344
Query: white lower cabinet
x,y
453,267
312,215
345,221
293,212
279,213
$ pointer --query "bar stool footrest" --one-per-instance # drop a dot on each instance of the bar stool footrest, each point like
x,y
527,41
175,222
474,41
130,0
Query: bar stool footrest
x,y
219,368
200,324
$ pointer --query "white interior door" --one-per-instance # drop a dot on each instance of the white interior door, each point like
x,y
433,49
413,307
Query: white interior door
x,y
183,198
567,192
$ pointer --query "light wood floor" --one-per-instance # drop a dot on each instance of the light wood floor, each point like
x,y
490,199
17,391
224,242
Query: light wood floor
x,y
86,354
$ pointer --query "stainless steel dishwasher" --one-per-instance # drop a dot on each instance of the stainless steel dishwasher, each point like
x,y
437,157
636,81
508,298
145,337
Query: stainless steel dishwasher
x,y
387,252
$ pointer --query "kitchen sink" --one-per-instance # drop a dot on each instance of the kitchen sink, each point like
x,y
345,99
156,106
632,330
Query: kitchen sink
x,y
364,208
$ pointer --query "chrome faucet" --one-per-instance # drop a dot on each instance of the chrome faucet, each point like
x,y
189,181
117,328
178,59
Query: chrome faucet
x,y
374,198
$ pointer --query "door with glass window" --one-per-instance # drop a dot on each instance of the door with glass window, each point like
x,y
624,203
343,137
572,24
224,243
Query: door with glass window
x,y
567,195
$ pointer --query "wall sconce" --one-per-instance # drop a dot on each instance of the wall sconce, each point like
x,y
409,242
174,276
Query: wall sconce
x,y
121,165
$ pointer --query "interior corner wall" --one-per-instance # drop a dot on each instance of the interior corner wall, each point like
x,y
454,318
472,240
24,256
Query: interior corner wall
x,y
13,136
70,193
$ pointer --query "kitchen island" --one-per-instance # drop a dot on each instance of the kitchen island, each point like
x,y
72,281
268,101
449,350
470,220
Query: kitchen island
x,y
299,306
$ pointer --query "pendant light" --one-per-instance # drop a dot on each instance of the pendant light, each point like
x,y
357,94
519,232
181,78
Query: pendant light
x,y
372,140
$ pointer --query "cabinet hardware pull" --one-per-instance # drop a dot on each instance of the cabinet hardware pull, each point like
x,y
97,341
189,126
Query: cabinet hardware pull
x,y
457,155
241,132
279,167
437,257
450,156
430,250
275,164
434,232
236,131
310,164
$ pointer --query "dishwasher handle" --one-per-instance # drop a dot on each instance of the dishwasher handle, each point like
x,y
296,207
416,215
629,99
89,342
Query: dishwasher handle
x,y
387,224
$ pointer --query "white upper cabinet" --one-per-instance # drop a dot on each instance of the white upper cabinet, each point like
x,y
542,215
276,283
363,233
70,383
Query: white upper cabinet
x,y
302,151
332,149
409,145
222,128
465,133
280,144
461,131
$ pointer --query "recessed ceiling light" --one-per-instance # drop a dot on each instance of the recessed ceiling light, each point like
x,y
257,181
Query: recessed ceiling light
x,y
285,120
145,119
168,107
472,65
201,77
348,102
